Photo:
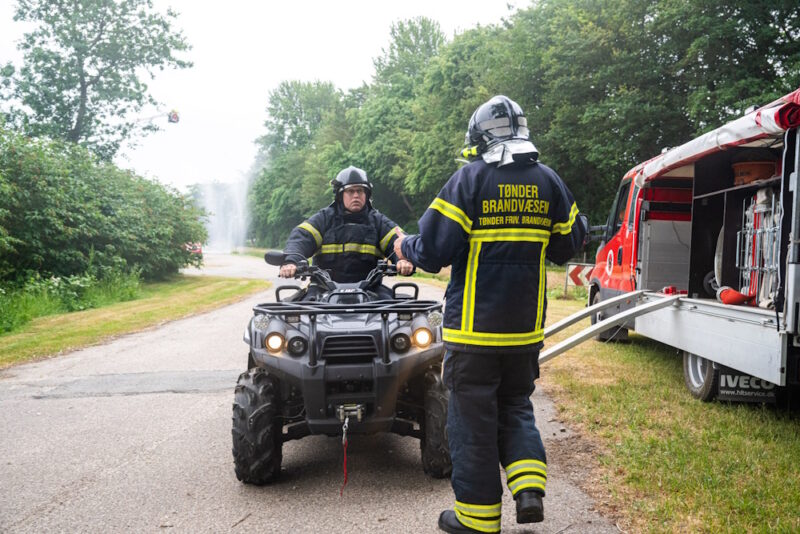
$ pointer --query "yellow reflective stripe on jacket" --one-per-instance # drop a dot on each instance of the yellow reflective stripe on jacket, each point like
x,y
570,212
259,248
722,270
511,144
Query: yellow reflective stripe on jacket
x,y
528,465
511,234
479,510
468,306
542,289
331,249
566,227
466,334
361,248
387,237
526,482
492,339
451,211
311,230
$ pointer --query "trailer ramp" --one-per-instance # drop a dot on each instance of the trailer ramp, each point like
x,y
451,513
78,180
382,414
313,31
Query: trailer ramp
x,y
656,302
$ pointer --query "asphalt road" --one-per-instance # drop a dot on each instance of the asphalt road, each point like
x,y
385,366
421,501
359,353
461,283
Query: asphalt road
x,y
134,436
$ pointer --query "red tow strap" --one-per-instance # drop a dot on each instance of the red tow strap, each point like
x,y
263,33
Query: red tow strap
x,y
344,445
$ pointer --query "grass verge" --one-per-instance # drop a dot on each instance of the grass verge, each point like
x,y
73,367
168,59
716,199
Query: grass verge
x,y
439,279
39,297
158,303
667,462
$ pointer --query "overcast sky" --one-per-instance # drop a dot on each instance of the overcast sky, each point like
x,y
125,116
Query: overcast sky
x,y
241,51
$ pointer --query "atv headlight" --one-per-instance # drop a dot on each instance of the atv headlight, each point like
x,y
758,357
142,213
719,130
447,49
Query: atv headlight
x,y
297,345
276,335
274,342
422,334
401,342
400,339
422,337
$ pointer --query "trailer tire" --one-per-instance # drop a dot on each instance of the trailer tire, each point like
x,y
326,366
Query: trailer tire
x,y
617,333
701,376
256,428
434,445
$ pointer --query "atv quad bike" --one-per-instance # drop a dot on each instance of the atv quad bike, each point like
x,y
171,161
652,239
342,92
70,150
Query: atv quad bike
x,y
333,354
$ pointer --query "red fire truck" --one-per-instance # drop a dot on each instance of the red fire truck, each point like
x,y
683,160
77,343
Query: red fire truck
x,y
701,251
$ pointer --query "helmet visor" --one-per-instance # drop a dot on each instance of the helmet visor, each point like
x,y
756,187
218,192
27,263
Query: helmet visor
x,y
502,127
363,187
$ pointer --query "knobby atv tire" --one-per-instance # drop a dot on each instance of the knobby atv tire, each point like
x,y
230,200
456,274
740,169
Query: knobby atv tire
x,y
435,449
256,428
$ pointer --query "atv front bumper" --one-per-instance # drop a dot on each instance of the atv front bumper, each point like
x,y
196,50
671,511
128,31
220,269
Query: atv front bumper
x,y
328,389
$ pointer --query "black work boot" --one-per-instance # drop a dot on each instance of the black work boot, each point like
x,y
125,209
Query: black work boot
x,y
450,523
530,508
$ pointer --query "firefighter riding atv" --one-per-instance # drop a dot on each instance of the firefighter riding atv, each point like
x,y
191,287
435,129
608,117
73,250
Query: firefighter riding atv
x,y
334,358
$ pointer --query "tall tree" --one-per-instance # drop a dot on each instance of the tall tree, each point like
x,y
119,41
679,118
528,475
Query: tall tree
x,y
413,43
385,125
599,94
729,54
81,80
464,74
297,110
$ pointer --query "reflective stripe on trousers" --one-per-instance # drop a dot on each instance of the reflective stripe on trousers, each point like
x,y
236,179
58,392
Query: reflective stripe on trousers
x,y
482,517
490,422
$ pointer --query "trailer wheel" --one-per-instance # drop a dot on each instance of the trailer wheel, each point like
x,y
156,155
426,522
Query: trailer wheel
x,y
701,377
257,428
615,333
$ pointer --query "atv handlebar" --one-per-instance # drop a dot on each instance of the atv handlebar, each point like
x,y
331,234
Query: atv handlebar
x,y
323,278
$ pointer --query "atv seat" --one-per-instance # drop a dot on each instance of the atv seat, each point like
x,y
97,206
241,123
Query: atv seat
x,y
350,296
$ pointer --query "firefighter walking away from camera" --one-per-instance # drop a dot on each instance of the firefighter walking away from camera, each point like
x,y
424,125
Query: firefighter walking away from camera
x,y
495,221
348,237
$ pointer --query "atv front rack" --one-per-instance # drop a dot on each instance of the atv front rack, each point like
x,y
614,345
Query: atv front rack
x,y
375,306
287,311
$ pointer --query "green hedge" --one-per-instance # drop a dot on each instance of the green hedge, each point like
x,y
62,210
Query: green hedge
x,y
63,212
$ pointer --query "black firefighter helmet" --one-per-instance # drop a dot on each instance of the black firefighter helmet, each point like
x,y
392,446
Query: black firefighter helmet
x,y
350,177
497,120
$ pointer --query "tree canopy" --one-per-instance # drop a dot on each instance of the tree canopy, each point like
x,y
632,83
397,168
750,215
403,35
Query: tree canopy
x,y
81,80
605,84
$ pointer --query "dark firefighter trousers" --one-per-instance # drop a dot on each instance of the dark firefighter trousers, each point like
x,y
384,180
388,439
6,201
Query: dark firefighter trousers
x,y
489,422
